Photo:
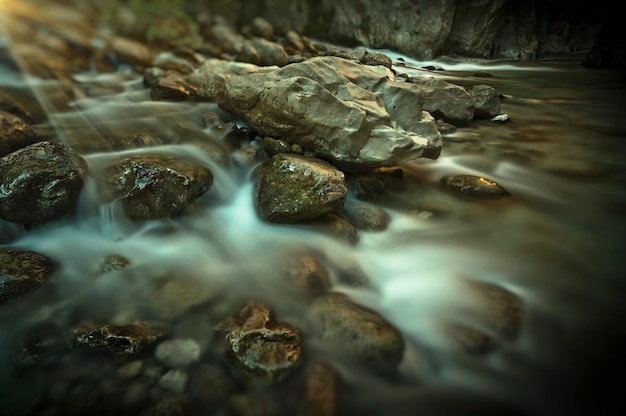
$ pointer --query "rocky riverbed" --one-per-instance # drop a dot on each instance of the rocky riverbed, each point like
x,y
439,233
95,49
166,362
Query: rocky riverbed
x,y
226,225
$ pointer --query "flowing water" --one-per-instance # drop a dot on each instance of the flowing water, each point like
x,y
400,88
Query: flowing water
x,y
558,244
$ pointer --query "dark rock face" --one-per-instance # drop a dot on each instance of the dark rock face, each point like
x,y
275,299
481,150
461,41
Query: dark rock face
x,y
609,49
22,271
359,333
155,186
125,339
509,29
40,182
291,188
15,133
264,350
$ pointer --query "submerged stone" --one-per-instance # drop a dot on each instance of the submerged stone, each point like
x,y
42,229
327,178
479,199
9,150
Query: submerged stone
x,y
179,352
367,217
357,332
40,182
264,350
123,339
155,186
320,395
501,310
22,271
471,340
308,274
475,186
113,263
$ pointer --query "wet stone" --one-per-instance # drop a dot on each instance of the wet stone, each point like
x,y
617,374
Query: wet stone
x,y
376,58
501,311
335,226
173,87
254,405
178,353
169,62
172,404
486,101
131,369
262,28
320,395
271,53
43,342
40,182
263,350
113,263
475,186
293,42
471,340
120,339
22,104
308,274
357,332
209,384
152,75
366,186
367,217
249,54
21,271
15,133
273,146
174,296
131,52
155,186
174,380
290,188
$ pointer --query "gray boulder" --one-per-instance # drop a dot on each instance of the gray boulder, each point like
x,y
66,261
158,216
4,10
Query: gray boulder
x,y
40,182
445,101
355,116
289,188
486,101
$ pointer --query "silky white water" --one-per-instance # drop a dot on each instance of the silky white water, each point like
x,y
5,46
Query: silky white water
x,y
558,244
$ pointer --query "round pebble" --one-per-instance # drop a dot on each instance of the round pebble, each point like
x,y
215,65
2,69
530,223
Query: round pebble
x,y
475,186
178,353
174,380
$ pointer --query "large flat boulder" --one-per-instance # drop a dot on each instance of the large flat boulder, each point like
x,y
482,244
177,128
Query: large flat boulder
x,y
355,116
